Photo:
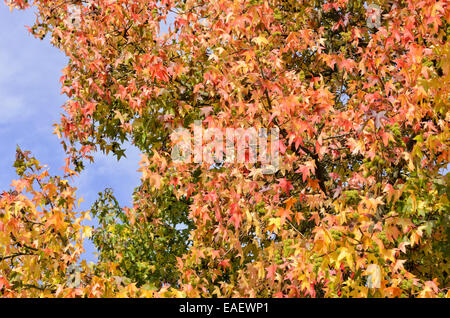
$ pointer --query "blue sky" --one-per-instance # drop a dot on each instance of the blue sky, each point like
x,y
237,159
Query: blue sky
x,y
30,103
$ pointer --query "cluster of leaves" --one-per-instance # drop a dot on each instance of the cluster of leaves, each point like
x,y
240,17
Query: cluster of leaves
x,y
364,132
145,247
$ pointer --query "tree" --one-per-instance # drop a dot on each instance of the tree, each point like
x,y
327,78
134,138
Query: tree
x,y
362,110
146,247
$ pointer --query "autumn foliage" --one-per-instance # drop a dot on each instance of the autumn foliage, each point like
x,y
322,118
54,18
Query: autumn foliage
x,y
362,110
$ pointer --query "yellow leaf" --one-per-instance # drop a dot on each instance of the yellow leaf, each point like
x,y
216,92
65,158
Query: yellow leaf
x,y
260,40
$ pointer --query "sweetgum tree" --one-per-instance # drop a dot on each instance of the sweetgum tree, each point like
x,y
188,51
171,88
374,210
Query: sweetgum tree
x,y
146,250
40,234
361,103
